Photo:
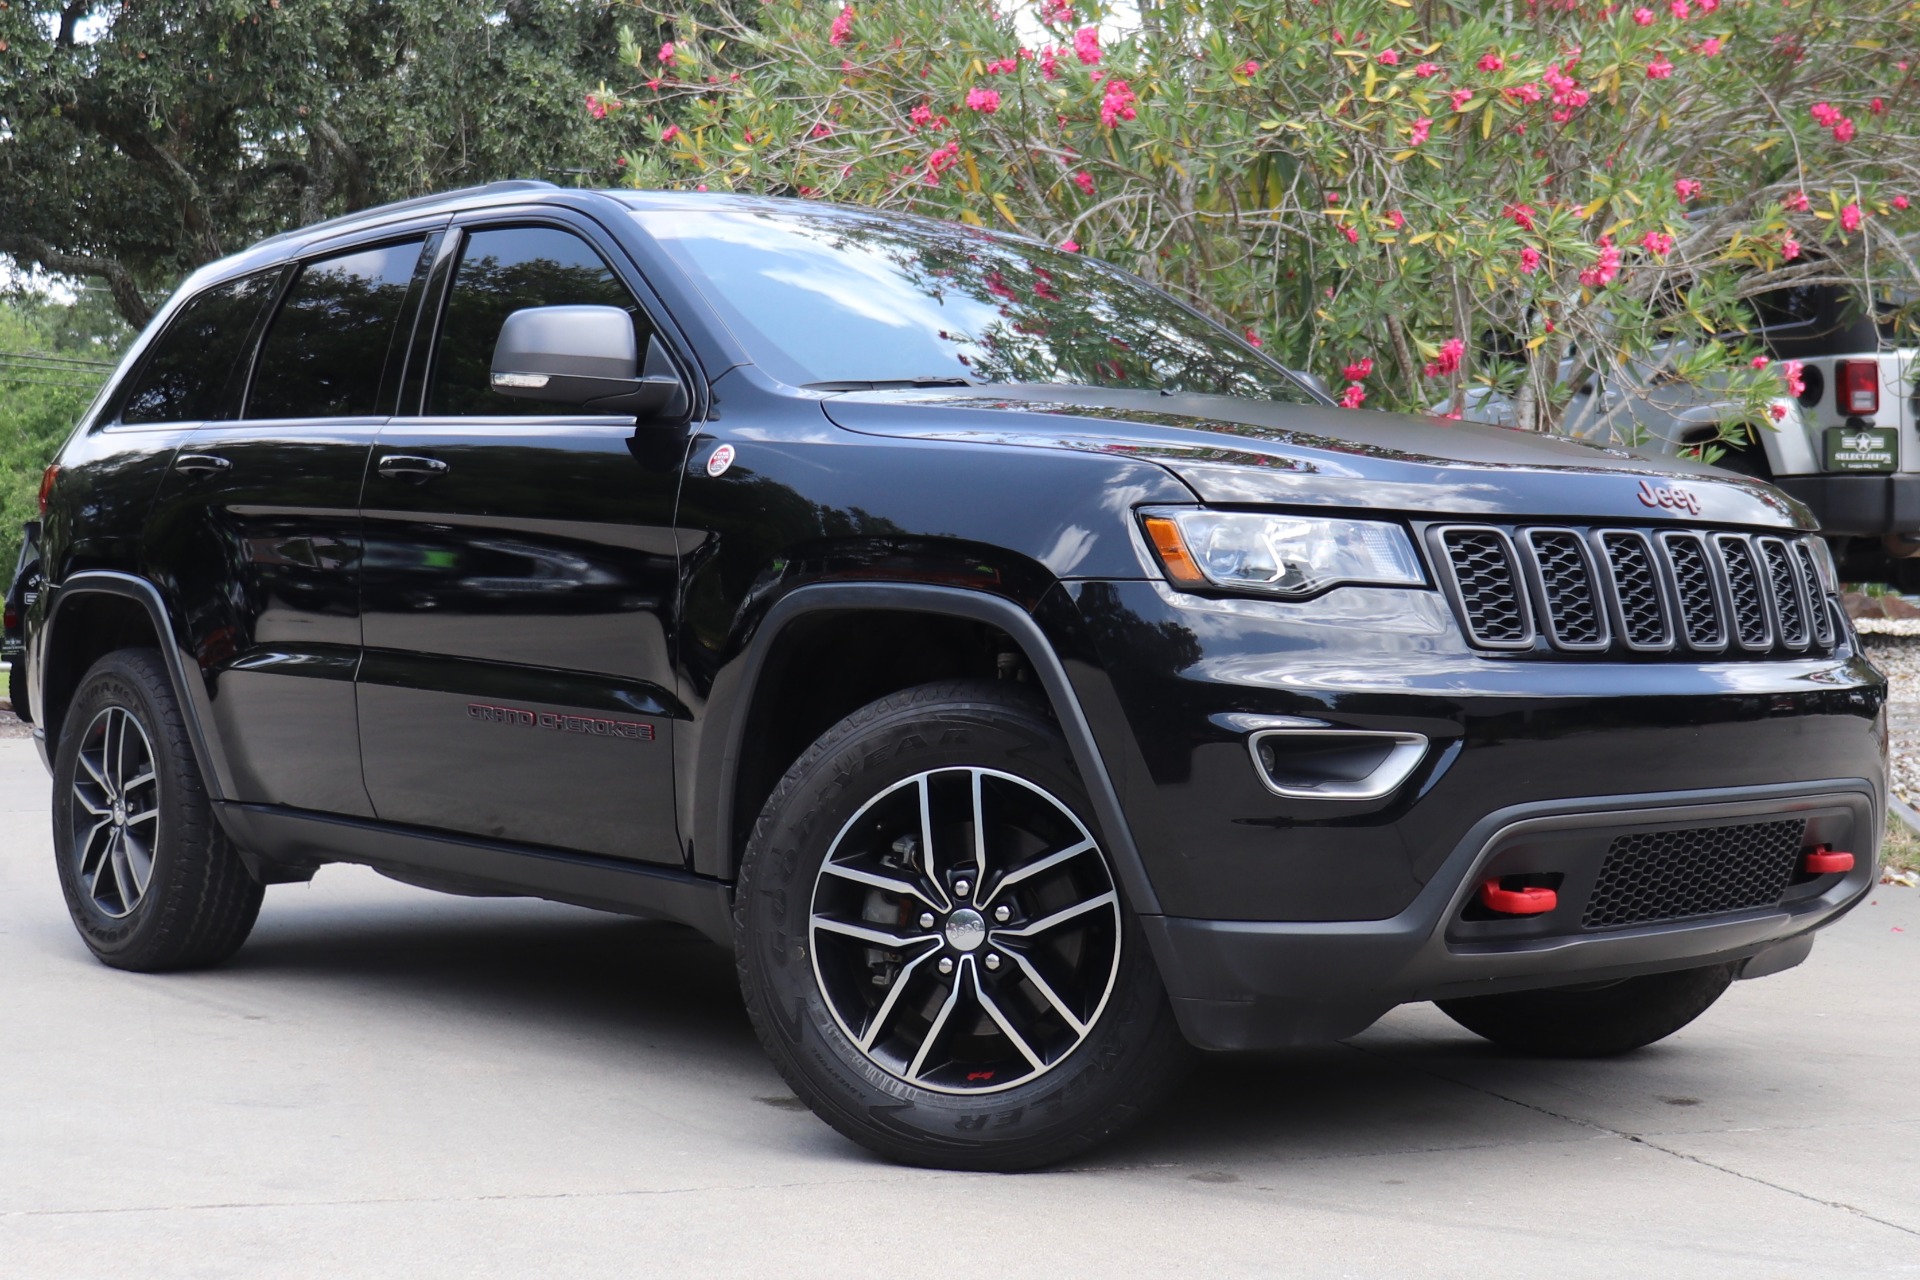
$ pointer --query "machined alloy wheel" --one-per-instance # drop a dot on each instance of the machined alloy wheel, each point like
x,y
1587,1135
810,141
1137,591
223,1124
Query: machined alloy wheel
x,y
966,930
935,943
116,811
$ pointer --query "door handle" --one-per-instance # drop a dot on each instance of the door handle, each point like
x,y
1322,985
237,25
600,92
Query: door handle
x,y
407,466
199,464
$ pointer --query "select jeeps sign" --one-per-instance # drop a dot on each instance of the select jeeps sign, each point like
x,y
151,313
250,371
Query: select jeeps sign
x,y
1862,449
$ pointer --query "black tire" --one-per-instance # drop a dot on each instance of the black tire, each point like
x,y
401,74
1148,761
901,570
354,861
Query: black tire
x,y
197,903
1592,1022
17,687
1128,1052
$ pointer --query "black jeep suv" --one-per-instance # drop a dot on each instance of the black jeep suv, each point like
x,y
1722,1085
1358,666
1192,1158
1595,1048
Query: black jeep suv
x,y
1028,679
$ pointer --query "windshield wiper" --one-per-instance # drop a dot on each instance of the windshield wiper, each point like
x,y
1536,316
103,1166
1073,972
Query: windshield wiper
x,y
883,384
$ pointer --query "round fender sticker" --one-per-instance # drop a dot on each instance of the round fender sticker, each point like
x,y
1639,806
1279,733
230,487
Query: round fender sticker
x,y
719,460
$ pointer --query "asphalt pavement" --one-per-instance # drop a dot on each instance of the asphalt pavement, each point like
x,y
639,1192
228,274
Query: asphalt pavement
x,y
391,1082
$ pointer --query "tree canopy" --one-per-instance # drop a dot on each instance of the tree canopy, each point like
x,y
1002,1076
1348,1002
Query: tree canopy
x,y
140,140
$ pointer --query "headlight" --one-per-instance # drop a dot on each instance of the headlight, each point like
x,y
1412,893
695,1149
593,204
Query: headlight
x,y
1279,555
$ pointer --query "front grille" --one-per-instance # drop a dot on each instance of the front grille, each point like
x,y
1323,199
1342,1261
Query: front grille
x,y
1694,871
1636,591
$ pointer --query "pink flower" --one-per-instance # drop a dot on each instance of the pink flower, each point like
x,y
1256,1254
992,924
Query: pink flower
x,y
1449,359
1529,260
1659,68
1058,12
1418,134
1685,189
1900,202
1843,132
1398,219
1071,246
1779,411
1084,181
1253,339
1796,203
1709,48
1878,106
842,26
669,133
1789,249
1825,114
1680,10
1850,218
1643,16
921,116
666,53
1657,243
700,186
1359,371
1491,61
1791,371
1460,98
985,101
1603,270
1050,63
1086,45
1708,6
940,159
1522,215
1451,417
1525,93
1353,236
1353,397
1004,66
1760,362
596,108
654,84
1426,70
1117,103
821,130
1388,58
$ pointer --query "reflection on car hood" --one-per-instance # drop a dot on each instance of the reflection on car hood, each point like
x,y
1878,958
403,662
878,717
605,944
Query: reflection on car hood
x,y
1246,451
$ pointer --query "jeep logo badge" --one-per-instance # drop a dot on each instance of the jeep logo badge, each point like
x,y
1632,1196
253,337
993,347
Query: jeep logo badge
x,y
1673,498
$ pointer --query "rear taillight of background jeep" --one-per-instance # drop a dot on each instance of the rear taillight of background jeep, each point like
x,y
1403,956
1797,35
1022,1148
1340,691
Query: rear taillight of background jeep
x,y
1858,382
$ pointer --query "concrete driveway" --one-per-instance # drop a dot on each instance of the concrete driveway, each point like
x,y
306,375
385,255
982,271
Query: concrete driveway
x,y
390,1082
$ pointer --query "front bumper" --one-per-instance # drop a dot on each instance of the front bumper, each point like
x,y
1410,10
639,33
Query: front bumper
x,y
1288,920
1859,505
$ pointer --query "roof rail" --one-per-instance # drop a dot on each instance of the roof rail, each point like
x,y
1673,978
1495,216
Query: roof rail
x,y
417,202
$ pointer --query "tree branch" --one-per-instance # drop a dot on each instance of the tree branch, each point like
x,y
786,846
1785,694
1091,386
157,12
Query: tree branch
x,y
126,294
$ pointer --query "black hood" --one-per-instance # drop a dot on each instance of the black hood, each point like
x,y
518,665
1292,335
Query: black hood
x,y
1232,451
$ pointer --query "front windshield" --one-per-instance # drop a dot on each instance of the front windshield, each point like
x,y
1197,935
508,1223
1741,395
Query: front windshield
x,y
842,298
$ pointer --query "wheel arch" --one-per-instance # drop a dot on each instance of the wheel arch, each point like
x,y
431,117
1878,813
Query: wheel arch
x,y
95,612
720,832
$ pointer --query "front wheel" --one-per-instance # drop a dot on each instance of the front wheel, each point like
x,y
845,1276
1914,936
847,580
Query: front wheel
x,y
933,945
1596,1021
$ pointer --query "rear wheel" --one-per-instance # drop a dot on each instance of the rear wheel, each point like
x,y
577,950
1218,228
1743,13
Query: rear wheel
x,y
150,879
1592,1021
934,947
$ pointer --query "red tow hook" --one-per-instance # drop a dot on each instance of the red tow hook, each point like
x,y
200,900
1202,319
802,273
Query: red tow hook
x,y
1530,901
1825,860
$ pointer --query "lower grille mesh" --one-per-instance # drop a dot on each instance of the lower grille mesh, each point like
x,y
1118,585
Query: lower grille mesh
x,y
1694,871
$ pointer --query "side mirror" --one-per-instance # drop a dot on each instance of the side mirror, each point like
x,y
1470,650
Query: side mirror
x,y
585,358
1313,381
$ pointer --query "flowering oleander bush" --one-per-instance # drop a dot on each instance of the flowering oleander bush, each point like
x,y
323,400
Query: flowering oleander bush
x,y
1412,199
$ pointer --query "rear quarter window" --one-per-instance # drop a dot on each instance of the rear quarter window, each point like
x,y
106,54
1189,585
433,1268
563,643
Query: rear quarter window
x,y
194,370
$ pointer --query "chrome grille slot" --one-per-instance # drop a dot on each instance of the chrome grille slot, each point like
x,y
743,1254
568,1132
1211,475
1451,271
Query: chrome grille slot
x,y
1487,590
1571,612
1697,590
1639,603
1789,602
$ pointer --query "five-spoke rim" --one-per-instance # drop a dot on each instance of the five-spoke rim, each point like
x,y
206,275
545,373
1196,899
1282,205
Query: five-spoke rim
x,y
965,930
116,814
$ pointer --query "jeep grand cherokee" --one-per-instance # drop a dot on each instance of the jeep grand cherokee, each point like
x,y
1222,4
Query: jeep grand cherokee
x,y
1029,680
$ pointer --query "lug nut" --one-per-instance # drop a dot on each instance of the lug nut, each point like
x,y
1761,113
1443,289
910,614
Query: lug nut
x,y
926,919
946,964
961,888
1003,913
993,961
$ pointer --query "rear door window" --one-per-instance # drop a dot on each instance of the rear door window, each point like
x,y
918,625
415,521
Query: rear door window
x,y
194,370
502,270
327,353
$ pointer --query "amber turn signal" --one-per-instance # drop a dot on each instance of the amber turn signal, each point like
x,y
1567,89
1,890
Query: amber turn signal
x,y
1173,552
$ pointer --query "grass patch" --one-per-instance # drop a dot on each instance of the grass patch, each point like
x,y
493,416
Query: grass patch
x,y
1901,849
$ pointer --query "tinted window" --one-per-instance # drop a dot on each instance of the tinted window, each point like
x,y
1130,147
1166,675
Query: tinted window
x,y
192,372
500,272
833,297
327,349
